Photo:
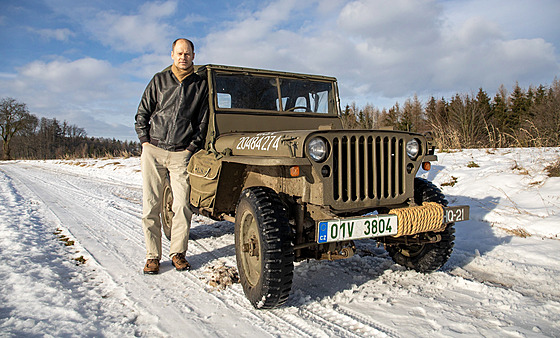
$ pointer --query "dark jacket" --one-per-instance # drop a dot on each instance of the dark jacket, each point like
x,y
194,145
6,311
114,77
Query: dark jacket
x,y
173,115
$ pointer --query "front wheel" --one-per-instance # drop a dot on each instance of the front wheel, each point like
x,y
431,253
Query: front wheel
x,y
430,256
263,247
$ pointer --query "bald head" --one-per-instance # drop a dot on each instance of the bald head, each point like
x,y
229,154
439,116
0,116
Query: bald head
x,y
182,54
185,40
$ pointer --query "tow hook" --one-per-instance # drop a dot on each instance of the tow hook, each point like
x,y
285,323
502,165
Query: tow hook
x,y
344,253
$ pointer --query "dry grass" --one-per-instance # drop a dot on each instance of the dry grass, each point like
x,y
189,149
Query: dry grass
x,y
451,183
553,170
519,168
519,232
220,276
472,164
80,260
68,242
79,164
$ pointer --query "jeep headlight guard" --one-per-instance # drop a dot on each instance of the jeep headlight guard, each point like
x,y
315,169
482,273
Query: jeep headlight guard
x,y
317,149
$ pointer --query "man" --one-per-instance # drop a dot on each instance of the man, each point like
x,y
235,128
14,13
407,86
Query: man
x,y
171,124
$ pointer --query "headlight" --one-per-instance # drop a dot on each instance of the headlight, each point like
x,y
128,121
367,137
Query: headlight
x,y
317,149
412,149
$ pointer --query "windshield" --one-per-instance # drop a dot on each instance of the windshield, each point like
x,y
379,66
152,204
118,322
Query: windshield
x,y
247,92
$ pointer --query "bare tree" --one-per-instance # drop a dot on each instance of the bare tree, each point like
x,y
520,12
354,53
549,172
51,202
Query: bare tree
x,y
467,118
14,119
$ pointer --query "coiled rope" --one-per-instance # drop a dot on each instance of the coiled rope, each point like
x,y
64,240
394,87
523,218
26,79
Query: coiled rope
x,y
423,218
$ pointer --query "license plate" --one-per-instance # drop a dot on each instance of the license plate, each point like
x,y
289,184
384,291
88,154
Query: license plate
x,y
356,228
456,213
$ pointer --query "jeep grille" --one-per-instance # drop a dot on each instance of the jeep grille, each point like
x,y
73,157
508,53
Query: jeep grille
x,y
368,167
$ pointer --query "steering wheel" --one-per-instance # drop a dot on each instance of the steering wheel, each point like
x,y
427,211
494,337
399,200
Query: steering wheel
x,y
297,107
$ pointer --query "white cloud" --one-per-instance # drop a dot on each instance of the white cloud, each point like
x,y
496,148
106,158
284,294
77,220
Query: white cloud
x,y
478,54
381,49
60,34
476,30
146,65
88,92
517,18
147,31
100,95
255,40
395,24
193,18
87,77
8,75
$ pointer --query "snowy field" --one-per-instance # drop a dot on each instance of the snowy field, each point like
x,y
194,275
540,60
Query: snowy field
x,y
72,252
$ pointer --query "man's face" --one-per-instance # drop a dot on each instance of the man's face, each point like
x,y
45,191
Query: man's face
x,y
182,55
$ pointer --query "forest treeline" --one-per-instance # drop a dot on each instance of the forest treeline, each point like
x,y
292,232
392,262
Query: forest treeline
x,y
523,118
25,136
53,139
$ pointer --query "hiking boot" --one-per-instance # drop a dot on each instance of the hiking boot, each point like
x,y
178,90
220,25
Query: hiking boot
x,y
180,263
151,267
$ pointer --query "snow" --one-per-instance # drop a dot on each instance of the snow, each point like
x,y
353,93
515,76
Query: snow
x,y
501,280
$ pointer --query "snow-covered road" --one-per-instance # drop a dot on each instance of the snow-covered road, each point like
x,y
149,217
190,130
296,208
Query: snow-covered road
x,y
495,284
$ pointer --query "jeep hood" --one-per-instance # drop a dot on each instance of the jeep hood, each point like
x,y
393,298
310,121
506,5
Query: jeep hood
x,y
264,144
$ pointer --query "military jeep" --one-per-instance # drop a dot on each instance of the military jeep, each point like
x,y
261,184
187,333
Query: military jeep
x,y
278,164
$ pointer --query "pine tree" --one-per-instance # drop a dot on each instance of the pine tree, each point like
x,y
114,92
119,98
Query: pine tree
x,y
519,106
500,110
392,117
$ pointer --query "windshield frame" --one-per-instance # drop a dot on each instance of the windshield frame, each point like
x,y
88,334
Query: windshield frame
x,y
329,100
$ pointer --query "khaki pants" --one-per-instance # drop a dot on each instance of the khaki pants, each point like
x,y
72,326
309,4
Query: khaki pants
x,y
155,163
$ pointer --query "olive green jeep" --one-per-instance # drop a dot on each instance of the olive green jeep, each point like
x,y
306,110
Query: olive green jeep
x,y
278,164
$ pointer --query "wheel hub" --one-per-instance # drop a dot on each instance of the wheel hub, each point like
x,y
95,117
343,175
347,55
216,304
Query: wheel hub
x,y
251,247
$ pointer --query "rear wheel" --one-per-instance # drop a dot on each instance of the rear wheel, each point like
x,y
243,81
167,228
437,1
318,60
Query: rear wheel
x,y
264,248
166,210
430,256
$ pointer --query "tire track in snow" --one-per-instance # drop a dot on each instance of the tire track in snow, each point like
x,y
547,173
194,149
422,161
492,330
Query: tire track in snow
x,y
311,320
96,205
89,194
48,287
338,322
162,295
342,322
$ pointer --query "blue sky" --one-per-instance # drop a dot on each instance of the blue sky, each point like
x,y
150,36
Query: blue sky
x,y
88,62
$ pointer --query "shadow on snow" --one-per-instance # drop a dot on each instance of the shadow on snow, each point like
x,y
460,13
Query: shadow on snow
x,y
319,279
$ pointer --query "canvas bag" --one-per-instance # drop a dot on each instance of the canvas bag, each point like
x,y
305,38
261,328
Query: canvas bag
x,y
204,170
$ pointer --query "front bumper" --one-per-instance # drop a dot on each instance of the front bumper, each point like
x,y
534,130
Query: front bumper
x,y
429,217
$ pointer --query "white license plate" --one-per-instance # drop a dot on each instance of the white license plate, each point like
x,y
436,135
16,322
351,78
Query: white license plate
x,y
356,228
